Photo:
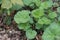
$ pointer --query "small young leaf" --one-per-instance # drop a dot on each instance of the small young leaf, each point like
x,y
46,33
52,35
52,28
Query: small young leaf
x,y
52,15
32,6
7,20
30,34
31,21
38,26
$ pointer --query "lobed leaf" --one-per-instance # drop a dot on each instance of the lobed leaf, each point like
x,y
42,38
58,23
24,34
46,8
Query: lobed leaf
x,y
30,34
44,20
37,13
22,16
24,26
46,4
52,15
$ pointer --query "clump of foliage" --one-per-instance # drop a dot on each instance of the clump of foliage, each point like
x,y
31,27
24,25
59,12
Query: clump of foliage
x,y
52,32
44,14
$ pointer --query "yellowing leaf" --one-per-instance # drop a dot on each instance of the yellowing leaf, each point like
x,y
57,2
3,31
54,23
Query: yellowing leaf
x,y
17,2
6,4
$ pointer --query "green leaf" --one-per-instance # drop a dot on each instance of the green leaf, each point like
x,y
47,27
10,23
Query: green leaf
x,y
55,28
38,26
22,16
38,13
48,35
0,1
37,2
31,21
58,9
30,34
31,3
46,4
59,18
24,26
44,20
7,20
6,4
16,7
32,6
27,2
52,15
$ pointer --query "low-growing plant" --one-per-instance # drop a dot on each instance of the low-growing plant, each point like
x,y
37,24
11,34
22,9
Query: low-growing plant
x,y
42,14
